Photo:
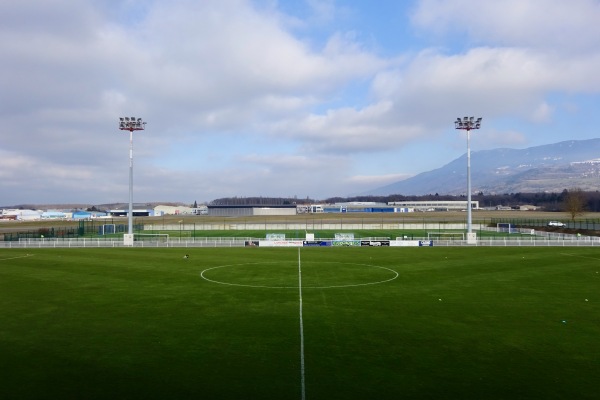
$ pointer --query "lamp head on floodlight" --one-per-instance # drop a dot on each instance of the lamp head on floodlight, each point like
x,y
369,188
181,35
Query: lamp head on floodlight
x,y
131,124
467,123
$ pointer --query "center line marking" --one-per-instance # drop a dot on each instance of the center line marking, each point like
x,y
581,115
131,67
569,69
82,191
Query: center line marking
x,y
302,378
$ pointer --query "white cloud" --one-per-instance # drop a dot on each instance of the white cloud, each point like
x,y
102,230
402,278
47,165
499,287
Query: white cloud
x,y
549,24
373,181
255,89
348,130
543,113
183,66
437,87
323,10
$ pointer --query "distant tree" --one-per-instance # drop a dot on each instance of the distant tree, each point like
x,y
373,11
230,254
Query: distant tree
x,y
574,202
195,204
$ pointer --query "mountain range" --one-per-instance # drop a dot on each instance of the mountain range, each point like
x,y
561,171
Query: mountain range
x,y
548,168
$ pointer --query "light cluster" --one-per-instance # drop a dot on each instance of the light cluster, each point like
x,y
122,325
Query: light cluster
x,y
131,124
467,123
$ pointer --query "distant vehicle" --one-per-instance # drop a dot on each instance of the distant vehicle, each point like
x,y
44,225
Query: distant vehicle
x,y
556,223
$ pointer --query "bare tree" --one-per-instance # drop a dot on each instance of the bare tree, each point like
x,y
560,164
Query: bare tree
x,y
574,202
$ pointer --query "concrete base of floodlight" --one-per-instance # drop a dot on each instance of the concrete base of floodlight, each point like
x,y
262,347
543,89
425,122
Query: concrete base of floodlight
x,y
471,238
128,239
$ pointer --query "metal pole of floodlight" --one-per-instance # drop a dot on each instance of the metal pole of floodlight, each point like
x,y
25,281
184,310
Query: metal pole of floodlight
x,y
468,124
131,124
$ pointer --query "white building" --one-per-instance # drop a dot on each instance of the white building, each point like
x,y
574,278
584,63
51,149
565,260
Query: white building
x,y
22,215
172,210
200,210
434,205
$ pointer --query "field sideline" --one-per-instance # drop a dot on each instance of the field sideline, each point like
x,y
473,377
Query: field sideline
x,y
376,323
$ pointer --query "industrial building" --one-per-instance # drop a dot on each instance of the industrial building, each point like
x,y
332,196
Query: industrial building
x,y
249,210
431,205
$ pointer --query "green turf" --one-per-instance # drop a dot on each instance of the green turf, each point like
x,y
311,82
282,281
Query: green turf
x,y
456,323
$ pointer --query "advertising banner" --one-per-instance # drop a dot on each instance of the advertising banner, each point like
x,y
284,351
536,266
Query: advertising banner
x,y
405,243
345,243
375,243
316,243
280,243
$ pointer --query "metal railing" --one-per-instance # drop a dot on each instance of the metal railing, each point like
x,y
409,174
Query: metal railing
x,y
548,239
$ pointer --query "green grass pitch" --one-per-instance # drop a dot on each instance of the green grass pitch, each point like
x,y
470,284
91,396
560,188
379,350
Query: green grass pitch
x,y
377,323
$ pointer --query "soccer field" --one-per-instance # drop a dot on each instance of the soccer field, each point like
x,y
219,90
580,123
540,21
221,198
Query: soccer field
x,y
289,323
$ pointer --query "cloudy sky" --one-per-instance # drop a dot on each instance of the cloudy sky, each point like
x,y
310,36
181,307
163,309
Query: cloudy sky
x,y
301,98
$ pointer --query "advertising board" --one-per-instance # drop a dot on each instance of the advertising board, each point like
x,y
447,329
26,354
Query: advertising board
x,y
316,243
405,243
280,243
345,243
375,243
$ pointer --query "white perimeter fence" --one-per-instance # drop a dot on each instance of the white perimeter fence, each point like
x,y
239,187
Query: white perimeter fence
x,y
561,240
308,226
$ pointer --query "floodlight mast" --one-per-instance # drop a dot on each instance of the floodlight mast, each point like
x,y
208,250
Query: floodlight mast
x,y
131,124
468,124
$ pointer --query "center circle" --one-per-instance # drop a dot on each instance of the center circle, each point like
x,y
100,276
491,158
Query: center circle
x,y
313,275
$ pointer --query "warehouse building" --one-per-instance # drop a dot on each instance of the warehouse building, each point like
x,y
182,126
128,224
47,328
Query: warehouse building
x,y
244,211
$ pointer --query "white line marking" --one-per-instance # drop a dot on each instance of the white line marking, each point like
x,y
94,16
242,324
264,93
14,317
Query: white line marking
x,y
299,287
13,258
203,276
579,256
302,375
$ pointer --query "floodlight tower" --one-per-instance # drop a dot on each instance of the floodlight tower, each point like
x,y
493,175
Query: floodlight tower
x,y
468,124
130,124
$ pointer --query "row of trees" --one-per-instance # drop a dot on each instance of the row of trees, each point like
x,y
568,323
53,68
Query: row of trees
x,y
548,201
